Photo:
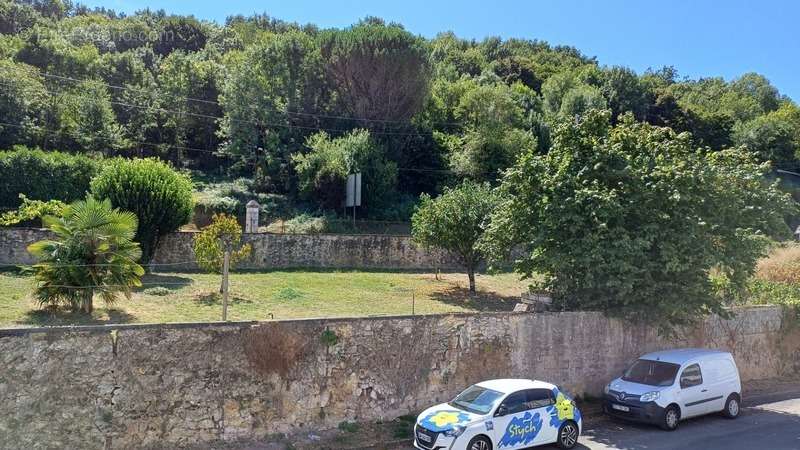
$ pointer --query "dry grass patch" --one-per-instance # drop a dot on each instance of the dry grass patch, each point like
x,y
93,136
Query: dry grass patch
x,y
781,265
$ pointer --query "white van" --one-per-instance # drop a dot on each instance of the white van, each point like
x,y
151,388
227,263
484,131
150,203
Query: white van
x,y
666,387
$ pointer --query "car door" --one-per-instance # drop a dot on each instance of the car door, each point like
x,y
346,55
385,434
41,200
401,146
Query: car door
x,y
693,395
517,425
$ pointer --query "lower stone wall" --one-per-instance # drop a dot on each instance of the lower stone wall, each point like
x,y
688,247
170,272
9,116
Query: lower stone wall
x,y
168,386
271,251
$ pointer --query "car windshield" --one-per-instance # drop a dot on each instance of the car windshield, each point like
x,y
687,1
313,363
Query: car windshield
x,y
476,400
653,373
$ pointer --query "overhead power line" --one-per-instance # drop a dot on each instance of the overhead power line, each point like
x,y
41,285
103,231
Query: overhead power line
x,y
212,102
256,123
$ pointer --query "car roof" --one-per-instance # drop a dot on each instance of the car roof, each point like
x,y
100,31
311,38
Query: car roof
x,y
682,355
509,385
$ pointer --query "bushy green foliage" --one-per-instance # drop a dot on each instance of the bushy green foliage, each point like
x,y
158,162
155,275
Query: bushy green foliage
x,y
305,224
159,196
323,171
93,253
209,244
456,221
631,219
22,102
31,210
231,198
40,175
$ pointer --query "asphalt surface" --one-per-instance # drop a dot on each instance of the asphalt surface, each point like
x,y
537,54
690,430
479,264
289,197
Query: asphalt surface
x,y
773,424
770,426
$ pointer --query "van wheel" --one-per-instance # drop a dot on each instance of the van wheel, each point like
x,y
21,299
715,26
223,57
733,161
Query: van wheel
x,y
479,443
567,435
671,418
732,407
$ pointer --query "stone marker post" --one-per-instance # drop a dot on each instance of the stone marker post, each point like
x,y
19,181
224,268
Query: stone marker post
x,y
251,217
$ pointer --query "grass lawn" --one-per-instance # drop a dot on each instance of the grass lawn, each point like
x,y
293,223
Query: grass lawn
x,y
190,297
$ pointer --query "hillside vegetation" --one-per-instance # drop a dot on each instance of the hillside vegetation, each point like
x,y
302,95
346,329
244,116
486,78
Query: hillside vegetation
x,y
294,108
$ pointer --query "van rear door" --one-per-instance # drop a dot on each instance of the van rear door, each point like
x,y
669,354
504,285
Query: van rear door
x,y
721,378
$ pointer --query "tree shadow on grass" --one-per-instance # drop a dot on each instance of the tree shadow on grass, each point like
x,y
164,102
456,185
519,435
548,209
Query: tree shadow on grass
x,y
48,317
215,298
171,282
482,301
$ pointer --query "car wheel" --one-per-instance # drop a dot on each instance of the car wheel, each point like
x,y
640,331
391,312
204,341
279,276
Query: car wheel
x,y
567,435
479,443
671,418
732,407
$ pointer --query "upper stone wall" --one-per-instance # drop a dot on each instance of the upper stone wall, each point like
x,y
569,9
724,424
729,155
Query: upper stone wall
x,y
271,251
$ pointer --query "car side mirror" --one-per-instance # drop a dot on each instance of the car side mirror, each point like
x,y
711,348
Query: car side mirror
x,y
502,410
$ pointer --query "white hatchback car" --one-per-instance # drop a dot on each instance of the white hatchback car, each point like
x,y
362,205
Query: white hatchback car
x,y
665,387
500,414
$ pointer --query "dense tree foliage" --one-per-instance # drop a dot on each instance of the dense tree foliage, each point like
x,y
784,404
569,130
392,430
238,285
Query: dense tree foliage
x,y
248,97
631,219
455,221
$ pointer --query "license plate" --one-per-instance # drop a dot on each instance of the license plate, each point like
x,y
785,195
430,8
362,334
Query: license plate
x,y
424,437
620,407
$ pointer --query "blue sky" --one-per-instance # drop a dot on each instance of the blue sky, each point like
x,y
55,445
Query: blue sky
x,y
700,38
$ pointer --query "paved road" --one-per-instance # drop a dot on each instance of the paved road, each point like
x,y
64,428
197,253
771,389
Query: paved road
x,y
769,426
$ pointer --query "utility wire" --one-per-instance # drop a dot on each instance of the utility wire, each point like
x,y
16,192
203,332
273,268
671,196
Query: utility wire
x,y
153,144
212,102
256,123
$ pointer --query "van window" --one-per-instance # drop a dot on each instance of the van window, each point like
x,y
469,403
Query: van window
x,y
653,373
691,376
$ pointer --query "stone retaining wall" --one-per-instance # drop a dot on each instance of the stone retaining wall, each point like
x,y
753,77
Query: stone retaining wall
x,y
272,251
169,386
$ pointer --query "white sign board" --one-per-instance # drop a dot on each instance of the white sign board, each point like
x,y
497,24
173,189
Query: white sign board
x,y
353,190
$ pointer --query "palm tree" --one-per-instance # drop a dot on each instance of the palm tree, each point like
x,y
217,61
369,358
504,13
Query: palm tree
x,y
93,252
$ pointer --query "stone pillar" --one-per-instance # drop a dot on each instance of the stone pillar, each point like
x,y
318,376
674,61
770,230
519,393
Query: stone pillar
x,y
251,218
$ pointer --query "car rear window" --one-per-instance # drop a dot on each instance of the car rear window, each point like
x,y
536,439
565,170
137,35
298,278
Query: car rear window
x,y
652,373
476,399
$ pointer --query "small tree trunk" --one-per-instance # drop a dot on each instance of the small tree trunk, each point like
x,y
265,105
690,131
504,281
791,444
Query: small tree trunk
x,y
471,275
86,302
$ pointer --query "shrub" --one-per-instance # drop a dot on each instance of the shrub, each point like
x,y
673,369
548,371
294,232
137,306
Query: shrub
x,y
322,173
305,224
159,196
43,175
208,244
93,252
231,197
782,265
31,211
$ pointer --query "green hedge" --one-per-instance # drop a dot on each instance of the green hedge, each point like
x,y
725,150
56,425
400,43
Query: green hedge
x,y
44,176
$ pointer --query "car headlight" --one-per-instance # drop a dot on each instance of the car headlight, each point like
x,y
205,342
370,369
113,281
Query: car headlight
x,y
605,389
650,396
455,431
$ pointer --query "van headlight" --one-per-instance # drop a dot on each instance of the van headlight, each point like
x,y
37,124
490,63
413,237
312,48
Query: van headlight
x,y
454,432
650,396
605,389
